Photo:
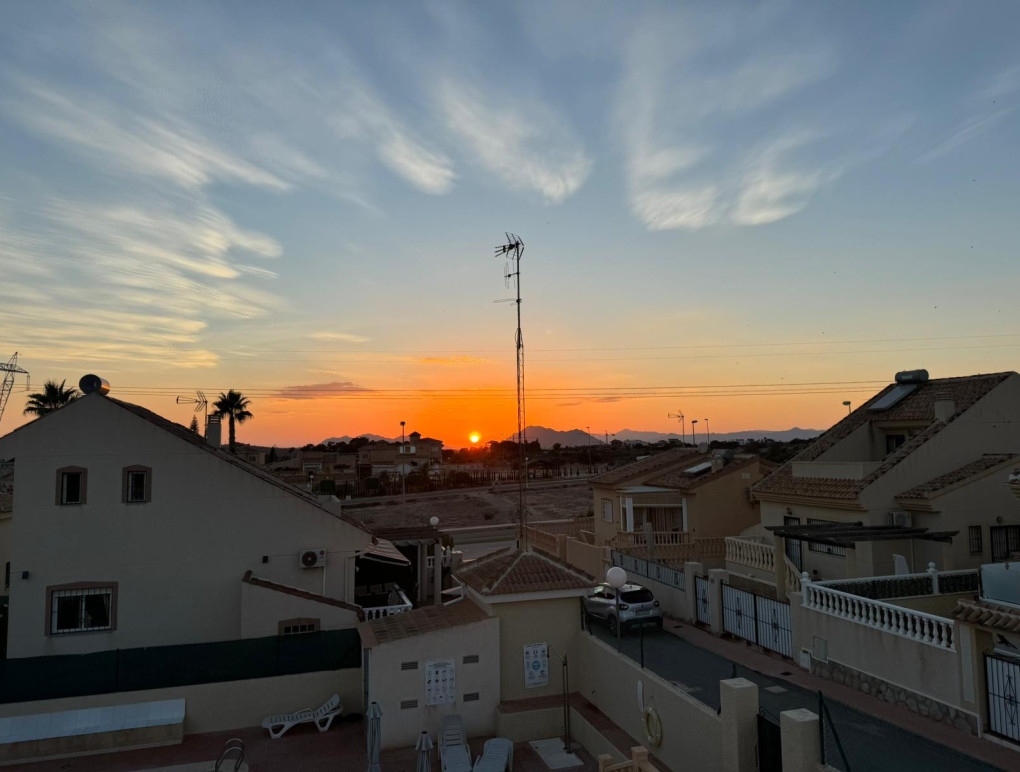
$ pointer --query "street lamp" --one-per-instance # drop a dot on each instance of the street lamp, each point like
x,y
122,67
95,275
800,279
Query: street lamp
x,y
588,431
403,485
846,403
708,433
616,577
694,432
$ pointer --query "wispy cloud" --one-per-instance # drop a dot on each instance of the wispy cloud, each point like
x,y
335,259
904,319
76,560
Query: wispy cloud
x,y
344,337
707,144
458,360
329,390
969,130
1003,84
527,146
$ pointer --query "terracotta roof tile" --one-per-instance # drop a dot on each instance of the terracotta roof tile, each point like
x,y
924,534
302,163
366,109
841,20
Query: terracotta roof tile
x,y
916,407
680,480
509,573
420,621
647,466
299,593
992,615
975,468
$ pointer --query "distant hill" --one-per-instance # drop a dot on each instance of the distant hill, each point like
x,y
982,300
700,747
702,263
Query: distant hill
x,y
345,438
577,437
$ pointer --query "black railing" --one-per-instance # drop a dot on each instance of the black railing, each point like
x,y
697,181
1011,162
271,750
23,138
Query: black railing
x,y
159,667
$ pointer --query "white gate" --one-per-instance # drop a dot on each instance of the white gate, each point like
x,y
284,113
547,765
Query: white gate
x,y
1003,685
738,613
701,600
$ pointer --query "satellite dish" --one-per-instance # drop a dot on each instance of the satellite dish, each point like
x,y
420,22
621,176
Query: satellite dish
x,y
90,383
703,447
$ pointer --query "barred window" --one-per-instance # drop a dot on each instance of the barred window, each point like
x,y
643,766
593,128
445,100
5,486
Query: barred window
x,y
974,536
81,610
137,484
825,549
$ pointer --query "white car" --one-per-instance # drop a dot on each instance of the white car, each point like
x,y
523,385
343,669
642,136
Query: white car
x,y
637,606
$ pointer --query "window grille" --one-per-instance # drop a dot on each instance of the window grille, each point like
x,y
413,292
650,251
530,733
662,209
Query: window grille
x,y
408,704
471,697
470,659
81,610
408,665
825,549
298,626
974,537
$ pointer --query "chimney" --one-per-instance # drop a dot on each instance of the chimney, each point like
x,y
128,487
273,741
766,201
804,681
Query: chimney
x,y
945,406
213,433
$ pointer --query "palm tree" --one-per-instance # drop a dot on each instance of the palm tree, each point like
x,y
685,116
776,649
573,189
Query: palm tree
x,y
234,405
52,397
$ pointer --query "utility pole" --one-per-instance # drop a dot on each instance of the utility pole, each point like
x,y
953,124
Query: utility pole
x,y
403,481
694,432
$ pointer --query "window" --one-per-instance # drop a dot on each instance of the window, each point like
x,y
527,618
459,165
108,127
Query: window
x,y
81,608
825,549
298,626
137,484
1005,541
71,485
974,536
893,441
607,510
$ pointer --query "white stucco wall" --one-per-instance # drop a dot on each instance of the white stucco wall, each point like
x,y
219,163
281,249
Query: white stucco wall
x,y
263,609
389,685
178,560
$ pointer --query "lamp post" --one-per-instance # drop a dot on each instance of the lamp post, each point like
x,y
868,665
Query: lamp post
x,y
708,433
616,577
587,430
437,566
846,404
694,432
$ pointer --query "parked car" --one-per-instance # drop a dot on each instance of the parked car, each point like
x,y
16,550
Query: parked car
x,y
637,606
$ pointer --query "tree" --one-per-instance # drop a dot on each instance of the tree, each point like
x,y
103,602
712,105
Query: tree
x,y
52,397
234,405
194,424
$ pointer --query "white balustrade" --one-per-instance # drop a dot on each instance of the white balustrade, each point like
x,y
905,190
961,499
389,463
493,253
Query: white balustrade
x,y
916,625
753,554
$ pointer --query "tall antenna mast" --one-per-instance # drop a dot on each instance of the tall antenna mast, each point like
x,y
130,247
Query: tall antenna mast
x,y
200,403
679,415
512,251
10,369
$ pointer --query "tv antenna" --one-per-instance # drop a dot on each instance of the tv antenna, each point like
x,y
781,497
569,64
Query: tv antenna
x,y
679,415
199,401
10,369
512,251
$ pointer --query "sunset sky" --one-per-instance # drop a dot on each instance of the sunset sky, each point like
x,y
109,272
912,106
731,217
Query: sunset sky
x,y
748,213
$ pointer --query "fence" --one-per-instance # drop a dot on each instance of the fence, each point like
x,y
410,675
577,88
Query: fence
x,y
158,667
917,625
674,577
703,610
930,582
758,619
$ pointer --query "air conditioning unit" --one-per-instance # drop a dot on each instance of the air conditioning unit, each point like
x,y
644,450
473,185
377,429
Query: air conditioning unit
x,y
313,559
901,519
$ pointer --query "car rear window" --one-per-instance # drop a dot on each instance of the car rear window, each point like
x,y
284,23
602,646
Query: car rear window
x,y
637,596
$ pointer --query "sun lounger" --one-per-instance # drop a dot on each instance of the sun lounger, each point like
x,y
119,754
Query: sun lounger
x,y
322,718
497,756
454,753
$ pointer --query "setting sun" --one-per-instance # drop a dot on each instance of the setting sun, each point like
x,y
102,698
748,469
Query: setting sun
x,y
474,438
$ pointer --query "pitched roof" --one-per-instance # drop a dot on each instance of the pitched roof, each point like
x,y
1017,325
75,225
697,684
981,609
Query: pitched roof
x,y
660,462
919,406
977,468
299,593
992,615
681,480
509,572
420,621
182,432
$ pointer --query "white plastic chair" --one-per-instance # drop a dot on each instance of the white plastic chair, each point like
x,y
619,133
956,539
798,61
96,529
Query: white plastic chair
x,y
497,756
322,718
454,753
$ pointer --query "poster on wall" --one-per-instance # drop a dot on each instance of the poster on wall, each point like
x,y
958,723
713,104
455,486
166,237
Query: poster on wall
x,y
440,682
536,665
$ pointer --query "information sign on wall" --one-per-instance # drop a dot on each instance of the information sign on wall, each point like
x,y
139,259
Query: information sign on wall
x,y
536,665
440,682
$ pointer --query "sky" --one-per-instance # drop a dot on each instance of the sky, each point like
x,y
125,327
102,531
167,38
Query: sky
x,y
745,213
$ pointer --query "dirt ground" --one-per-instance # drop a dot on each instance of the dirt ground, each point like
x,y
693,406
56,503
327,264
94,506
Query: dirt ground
x,y
476,506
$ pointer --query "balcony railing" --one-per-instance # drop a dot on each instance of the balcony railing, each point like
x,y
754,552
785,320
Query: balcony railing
x,y
916,625
931,582
377,612
755,554
659,538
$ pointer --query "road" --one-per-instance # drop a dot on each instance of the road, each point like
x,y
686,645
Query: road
x,y
870,744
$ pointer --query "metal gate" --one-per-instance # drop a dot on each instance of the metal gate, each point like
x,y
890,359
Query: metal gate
x,y
701,600
1003,686
758,619
770,748
793,545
